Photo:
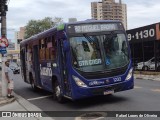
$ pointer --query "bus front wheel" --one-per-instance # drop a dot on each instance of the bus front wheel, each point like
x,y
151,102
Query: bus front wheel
x,y
57,92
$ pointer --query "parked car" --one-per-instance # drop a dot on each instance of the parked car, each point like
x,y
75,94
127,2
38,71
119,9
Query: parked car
x,y
153,66
145,65
14,67
148,65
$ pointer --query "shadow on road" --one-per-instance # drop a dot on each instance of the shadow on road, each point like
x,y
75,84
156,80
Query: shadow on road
x,y
91,102
95,101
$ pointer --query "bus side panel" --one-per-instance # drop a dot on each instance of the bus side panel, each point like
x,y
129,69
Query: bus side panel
x,y
46,75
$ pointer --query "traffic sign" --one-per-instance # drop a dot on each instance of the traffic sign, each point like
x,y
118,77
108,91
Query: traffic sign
x,y
4,42
3,50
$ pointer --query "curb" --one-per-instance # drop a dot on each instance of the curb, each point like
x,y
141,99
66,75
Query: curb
x,y
146,77
30,107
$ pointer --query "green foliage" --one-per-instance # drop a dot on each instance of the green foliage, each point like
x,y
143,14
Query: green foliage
x,y
36,26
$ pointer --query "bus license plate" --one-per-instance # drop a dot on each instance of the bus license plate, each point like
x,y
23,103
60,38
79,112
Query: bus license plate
x,y
108,92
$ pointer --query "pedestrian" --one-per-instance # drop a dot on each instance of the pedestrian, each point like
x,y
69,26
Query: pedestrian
x,y
9,78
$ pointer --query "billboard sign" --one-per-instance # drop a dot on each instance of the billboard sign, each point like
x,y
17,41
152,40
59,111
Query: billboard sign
x,y
146,33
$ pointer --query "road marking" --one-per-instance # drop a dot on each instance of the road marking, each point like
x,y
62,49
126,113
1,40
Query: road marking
x,y
39,97
155,90
137,87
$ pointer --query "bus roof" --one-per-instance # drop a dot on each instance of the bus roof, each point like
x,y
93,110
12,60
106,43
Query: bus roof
x,y
66,24
92,21
38,35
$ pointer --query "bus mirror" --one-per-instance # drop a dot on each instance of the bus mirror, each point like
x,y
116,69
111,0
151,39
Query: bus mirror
x,y
65,45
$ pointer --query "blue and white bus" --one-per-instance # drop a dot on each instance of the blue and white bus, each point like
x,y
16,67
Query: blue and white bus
x,y
78,60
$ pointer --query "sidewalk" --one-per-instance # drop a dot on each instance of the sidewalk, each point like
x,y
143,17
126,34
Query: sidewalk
x,y
19,104
155,76
4,100
147,77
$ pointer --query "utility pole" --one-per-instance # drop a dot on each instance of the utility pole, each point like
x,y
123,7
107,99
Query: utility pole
x,y
3,10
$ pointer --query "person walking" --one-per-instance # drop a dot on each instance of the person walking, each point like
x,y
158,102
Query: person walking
x,y
9,78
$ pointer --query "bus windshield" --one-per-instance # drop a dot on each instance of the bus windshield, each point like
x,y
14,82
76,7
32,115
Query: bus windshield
x,y
103,52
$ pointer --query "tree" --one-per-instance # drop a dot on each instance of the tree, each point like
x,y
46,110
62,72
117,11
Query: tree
x,y
36,26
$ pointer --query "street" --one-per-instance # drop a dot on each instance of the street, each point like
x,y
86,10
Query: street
x,y
145,97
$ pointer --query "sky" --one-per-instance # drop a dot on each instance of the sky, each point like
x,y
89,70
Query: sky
x,y
139,12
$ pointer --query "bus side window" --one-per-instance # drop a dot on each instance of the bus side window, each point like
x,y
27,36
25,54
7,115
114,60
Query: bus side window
x,y
52,50
48,46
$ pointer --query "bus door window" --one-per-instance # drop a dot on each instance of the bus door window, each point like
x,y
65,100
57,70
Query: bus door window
x,y
29,57
26,50
23,63
42,49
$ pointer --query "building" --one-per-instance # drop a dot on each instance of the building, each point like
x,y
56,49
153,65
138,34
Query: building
x,y
13,50
19,36
109,10
145,45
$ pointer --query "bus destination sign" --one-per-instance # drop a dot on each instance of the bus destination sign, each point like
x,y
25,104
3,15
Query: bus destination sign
x,y
92,28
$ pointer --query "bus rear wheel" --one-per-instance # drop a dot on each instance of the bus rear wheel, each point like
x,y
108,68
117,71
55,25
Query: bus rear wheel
x,y
57,93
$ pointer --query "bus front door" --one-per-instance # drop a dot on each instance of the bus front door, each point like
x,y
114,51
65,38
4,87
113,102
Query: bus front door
x,y
64,72
23,65
36,65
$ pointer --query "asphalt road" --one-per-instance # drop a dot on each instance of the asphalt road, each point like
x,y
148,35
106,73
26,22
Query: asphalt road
x,y
144,97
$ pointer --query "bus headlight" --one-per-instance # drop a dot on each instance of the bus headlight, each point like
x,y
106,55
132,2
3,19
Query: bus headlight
x,y
130,73
79,82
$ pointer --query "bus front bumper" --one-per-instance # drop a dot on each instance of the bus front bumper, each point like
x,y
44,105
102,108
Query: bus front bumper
x,y
79,93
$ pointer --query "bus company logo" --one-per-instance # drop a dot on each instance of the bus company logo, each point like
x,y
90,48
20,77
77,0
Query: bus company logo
x,y
93,83
46,71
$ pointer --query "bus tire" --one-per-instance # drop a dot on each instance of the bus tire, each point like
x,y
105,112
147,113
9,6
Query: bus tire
x,y
33,86
57,94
